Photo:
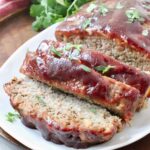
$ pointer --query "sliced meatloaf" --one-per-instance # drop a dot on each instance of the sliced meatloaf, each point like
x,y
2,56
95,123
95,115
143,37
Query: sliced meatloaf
x,y
61,118
119,28
75,78
104,64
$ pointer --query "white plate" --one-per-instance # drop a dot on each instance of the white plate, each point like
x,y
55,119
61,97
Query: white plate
x,y
140,125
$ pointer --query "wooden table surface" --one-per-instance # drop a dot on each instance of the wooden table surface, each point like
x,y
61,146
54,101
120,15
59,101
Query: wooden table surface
x,y
13,33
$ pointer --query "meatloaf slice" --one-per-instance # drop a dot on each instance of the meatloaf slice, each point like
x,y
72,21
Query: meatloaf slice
x,y
75,78
104,64
61,118
119,28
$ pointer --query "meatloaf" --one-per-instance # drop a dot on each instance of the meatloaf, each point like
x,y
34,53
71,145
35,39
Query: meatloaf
x,y
119,28
61,118
104,64
75,78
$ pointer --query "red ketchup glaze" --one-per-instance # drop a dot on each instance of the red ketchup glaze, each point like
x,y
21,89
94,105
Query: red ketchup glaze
x,y
62,70
48,68
121,72
69,137
114,24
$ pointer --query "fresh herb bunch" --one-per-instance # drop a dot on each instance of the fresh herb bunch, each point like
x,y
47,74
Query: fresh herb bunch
x,y
48,12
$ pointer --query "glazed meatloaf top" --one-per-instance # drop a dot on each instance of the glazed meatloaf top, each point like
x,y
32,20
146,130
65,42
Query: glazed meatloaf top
x,y
128,21
73,77
105,65
61,118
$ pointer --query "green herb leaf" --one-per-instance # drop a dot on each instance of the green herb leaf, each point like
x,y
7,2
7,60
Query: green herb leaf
x,y
145,32
104,69
91,8
85,68
93,110
78,47
69,46
103,9
11,117
55,51
48,12
86,23
119,5
62,2
36,10
38,24
133,15
41,100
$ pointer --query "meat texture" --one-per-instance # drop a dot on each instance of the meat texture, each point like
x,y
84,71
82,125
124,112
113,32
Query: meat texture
x,y
119,28
61,118
71,76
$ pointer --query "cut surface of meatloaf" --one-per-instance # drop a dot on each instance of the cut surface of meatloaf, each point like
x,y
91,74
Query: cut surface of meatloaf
x,y
72,77
59,117
122,31
100,62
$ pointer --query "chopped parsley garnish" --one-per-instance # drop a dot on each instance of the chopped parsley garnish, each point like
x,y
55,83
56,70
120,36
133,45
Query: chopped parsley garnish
x,y
93,110
85,68
145,32
55,51
69,46
103,9
91,8
11,117
86,23
104,69
133,15
41,100
78,47
119,5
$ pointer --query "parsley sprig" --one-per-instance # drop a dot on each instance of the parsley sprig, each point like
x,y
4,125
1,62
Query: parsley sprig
x,y
133,15
93,110
104,69
69,46
55,51
85,68
86,23
12,116
40,99
103,9
48,12
91,7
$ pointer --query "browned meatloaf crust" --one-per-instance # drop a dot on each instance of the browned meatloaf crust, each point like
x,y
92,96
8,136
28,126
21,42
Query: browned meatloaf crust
x,y
95,59
115,32
61,118
72,77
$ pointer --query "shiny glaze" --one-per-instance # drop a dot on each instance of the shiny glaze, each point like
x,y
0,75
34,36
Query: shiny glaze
x,y
113,25
69,137
121,72
68,76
